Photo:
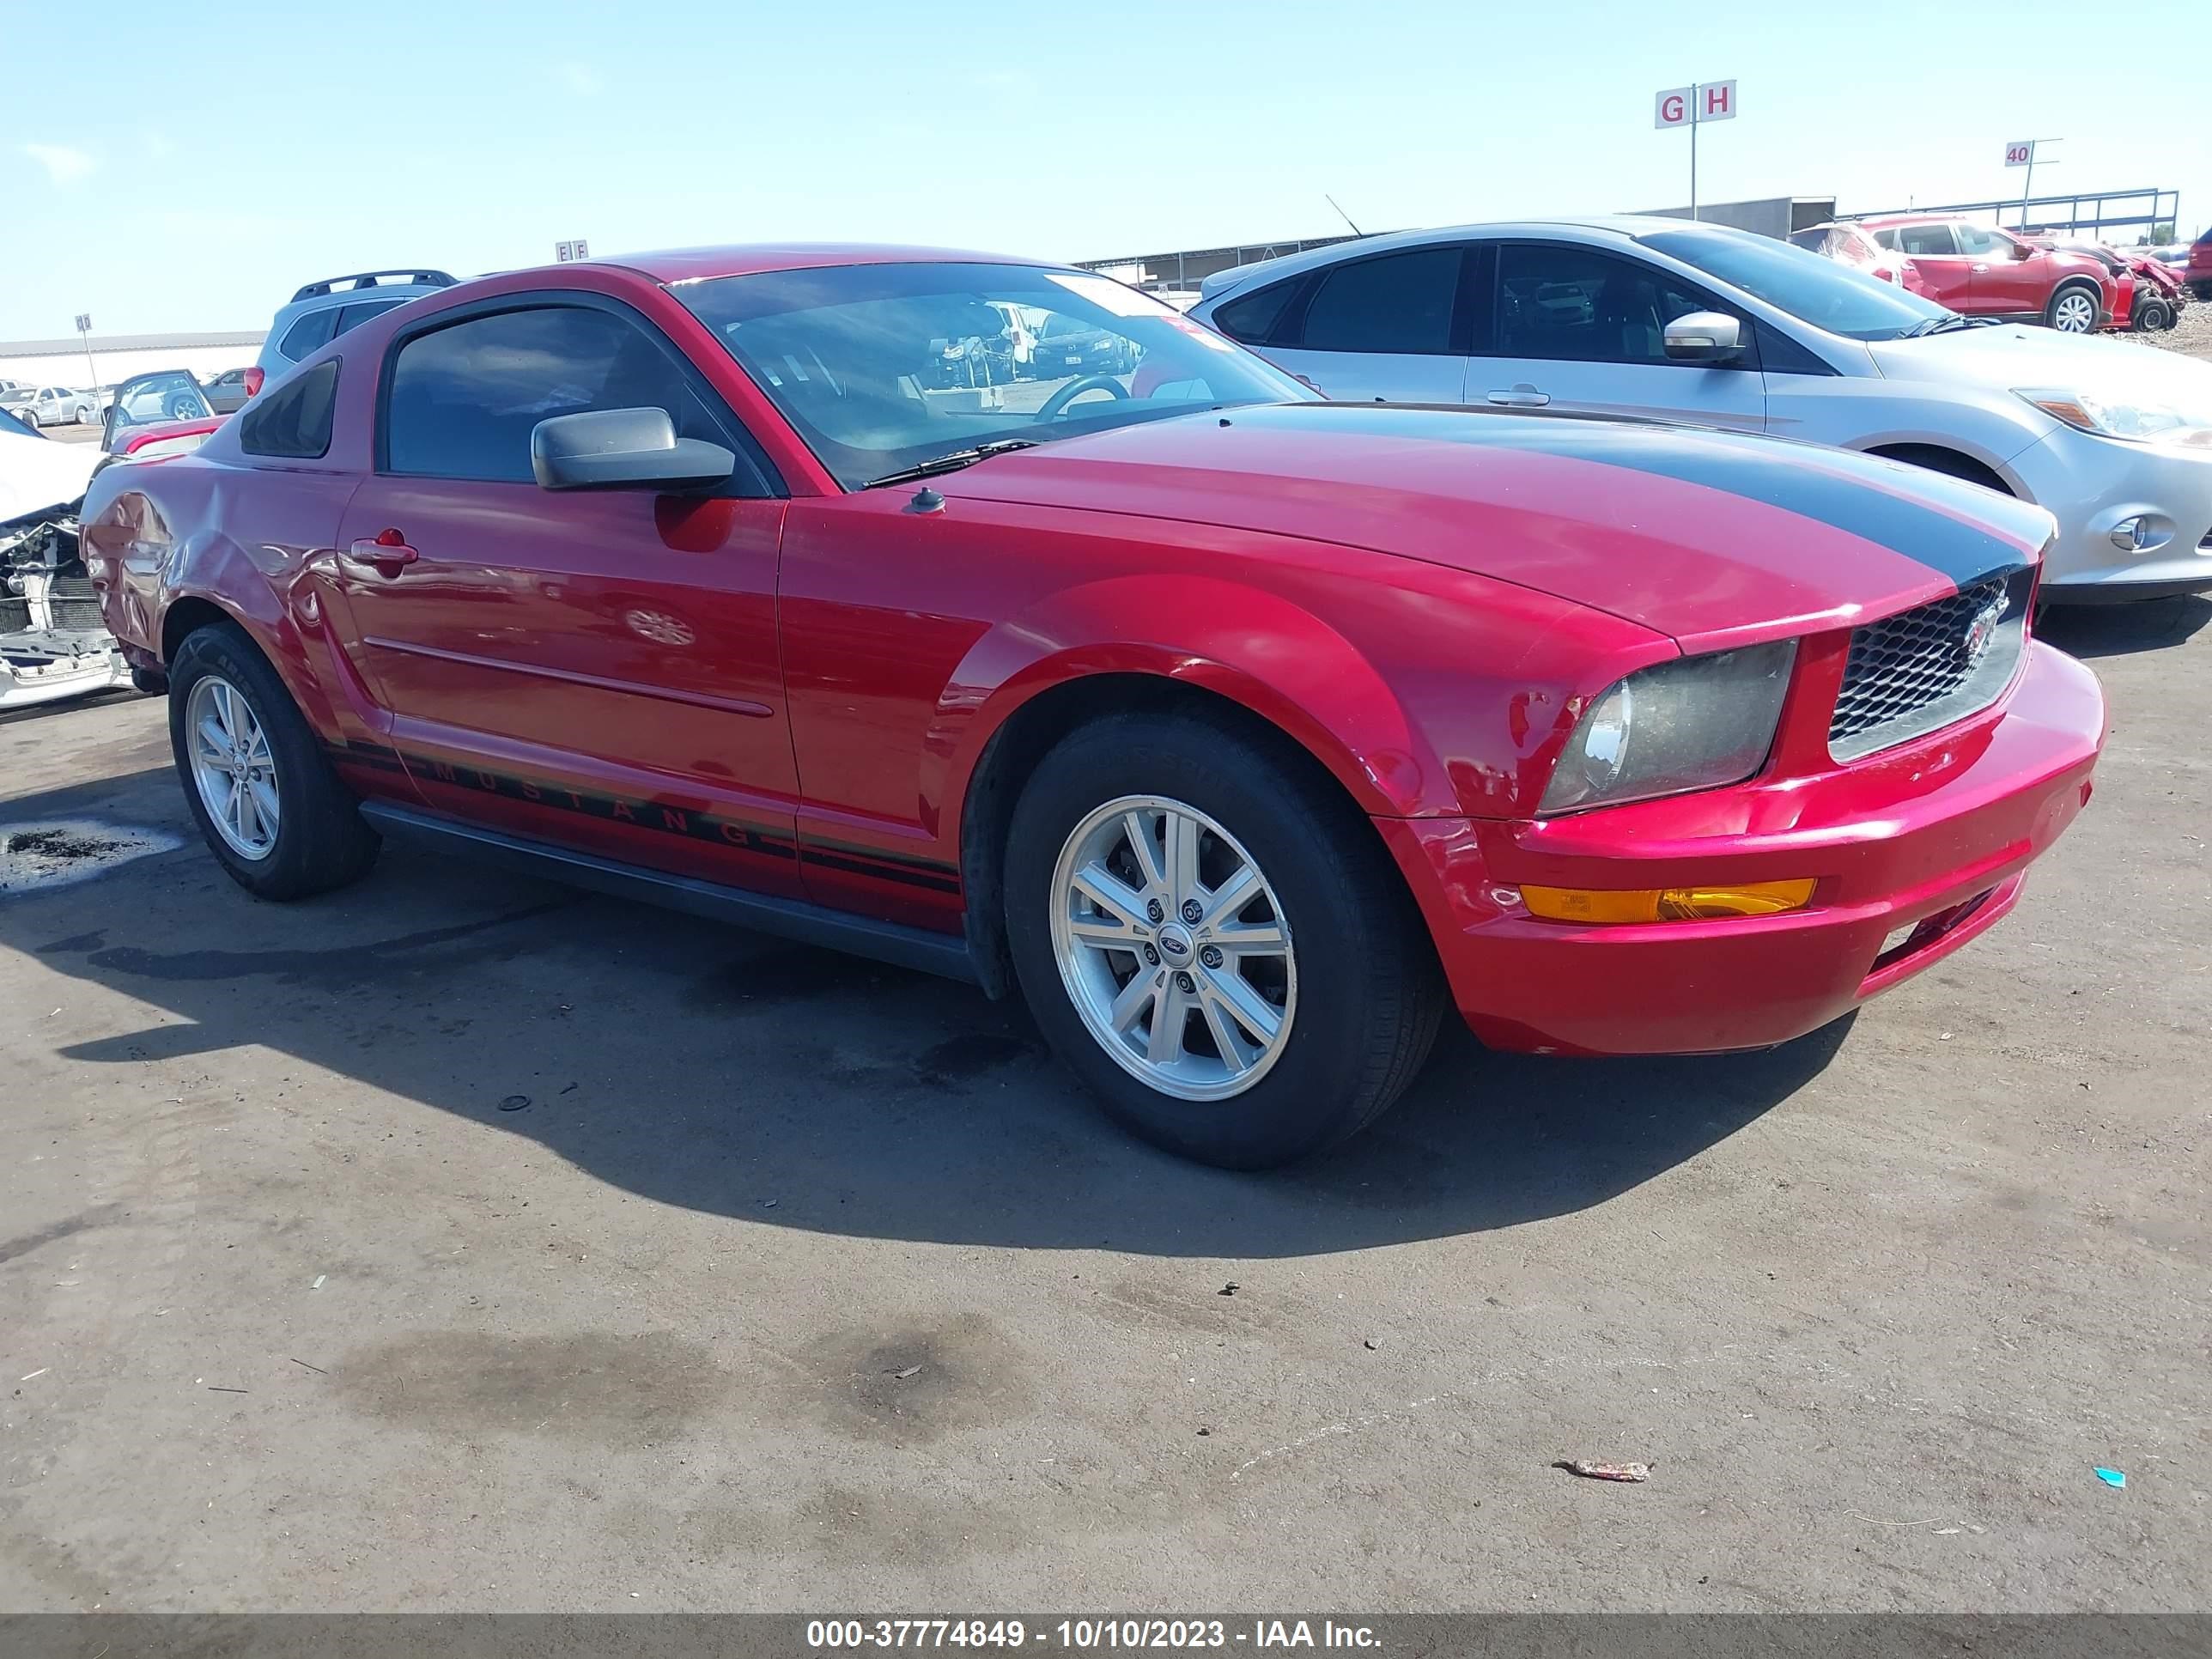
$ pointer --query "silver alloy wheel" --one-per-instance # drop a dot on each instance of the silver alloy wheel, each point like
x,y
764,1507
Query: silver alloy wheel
x,y
1173,947
233,766
2076,312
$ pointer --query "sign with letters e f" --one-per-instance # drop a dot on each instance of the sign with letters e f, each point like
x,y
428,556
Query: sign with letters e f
x,y
1690,106
2019,153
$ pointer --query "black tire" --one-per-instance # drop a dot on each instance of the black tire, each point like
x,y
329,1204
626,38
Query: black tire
x,y
321,841
2057,297
181,408
2149,315
1371,994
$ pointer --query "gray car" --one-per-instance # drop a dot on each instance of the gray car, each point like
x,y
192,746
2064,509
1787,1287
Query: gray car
x,y
50,405
320,312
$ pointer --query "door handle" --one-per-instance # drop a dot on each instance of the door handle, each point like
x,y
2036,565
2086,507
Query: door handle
x,y
1522,396
388,552
1978,269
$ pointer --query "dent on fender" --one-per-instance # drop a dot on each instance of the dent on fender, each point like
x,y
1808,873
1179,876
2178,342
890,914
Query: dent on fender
x,y
1258,649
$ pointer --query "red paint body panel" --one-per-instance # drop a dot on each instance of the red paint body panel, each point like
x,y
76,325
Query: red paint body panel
x,y
794,696
141,437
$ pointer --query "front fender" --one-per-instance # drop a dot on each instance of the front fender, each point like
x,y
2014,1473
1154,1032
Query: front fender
x,y
1259,649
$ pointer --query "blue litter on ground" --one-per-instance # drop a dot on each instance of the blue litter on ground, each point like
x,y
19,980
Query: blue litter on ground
x,y
2113,1477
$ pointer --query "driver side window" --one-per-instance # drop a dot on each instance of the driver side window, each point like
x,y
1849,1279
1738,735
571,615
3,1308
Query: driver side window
x,y
462,401
1567,304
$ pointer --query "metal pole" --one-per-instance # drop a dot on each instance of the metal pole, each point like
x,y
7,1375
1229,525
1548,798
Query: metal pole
x,y
94,368
1693,150
2027,190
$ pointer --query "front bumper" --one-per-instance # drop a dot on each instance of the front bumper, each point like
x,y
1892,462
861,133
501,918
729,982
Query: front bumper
x,y
44,666
2091,485
1932,837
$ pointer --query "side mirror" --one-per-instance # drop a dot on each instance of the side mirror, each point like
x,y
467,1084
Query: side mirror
x,y
2022,251
1703,336
622,449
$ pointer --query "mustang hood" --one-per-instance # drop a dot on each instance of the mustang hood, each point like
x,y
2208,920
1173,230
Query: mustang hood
x,y
1711,537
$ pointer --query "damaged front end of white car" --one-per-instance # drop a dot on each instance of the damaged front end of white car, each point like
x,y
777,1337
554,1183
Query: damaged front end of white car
x,y
52,642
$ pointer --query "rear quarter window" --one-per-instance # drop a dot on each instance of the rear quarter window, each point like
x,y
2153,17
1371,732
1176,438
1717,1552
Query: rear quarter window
x,y
1252,317
293,424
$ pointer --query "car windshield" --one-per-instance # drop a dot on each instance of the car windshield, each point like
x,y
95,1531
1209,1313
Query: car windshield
x,y
860,359
1839,298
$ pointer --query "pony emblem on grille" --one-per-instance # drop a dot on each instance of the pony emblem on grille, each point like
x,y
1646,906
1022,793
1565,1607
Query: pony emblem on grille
x,y
1982,632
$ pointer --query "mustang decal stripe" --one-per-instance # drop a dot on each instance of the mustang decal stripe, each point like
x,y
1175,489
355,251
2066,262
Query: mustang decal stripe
x,y
907,869
1847,493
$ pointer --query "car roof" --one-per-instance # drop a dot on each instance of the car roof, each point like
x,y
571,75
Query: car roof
x,y
692,264
1628,227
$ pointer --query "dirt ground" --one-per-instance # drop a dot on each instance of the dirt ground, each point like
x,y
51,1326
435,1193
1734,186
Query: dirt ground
x,y
458,1241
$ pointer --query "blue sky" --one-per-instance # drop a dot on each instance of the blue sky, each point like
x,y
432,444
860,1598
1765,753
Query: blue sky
x,y
216,156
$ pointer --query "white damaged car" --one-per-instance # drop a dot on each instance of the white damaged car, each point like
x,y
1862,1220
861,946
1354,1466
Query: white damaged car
x,y
1679,321
52,642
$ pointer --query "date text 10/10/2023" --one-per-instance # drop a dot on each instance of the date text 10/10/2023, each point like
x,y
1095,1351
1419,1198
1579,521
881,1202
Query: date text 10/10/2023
x,y
831,1635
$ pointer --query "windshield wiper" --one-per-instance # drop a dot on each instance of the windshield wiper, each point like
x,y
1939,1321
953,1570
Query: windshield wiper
x,y
1944,325
952,461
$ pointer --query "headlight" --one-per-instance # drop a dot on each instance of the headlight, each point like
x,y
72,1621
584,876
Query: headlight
x,y
1694,723
2138,422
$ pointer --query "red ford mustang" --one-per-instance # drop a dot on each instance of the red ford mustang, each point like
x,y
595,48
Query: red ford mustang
x,y
1239,729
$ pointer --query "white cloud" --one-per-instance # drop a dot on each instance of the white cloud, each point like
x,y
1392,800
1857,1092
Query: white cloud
x,y
580,80
63,165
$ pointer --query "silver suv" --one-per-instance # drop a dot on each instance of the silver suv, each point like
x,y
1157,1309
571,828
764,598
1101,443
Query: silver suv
x,y
322,311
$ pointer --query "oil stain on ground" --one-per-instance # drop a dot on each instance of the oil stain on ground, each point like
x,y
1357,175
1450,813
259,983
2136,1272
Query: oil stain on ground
x,y
624,1392
913,1385
36,856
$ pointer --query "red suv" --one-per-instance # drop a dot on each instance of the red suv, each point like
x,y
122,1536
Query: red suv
x,y
1980,271
1243,733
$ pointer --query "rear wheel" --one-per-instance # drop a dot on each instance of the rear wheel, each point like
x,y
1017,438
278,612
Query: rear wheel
x,y
2073,309
270,807
1214,942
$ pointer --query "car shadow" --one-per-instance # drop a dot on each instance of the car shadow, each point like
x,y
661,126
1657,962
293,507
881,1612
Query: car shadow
x,y
2089,631
90,700
696,1065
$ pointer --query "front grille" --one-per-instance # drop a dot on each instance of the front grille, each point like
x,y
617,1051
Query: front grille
x,y
1921,669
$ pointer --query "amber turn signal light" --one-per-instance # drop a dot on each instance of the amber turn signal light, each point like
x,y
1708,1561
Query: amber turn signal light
x,y
1603,904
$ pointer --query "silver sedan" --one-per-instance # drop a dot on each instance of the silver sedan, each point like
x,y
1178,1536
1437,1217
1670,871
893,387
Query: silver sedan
x,y
50,405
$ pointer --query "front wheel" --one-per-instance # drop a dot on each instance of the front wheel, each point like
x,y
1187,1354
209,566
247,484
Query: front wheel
x,y
2148,316
1214,941
273,813
2072,310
